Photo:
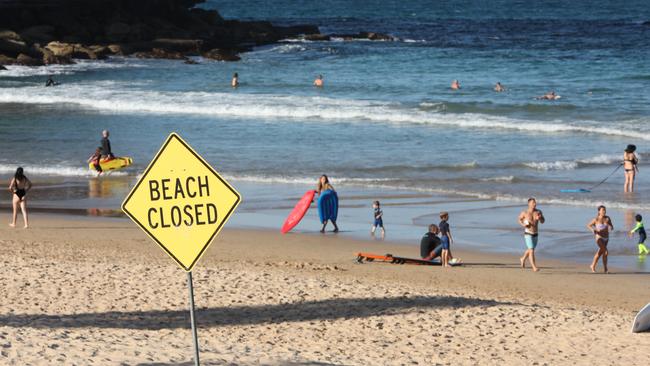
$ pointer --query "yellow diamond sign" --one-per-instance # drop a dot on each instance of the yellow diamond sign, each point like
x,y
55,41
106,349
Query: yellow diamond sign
x,y
181,202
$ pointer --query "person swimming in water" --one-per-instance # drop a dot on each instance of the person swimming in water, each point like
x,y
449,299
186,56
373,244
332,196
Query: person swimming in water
x,y
50,81
549,96
601,225
455,85
235,80
19,186
499,88
319,81
630,164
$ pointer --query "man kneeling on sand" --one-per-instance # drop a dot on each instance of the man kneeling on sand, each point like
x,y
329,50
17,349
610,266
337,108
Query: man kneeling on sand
x,y
430,245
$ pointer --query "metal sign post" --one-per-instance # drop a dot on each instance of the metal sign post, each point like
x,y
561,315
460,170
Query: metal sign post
x,y
195,337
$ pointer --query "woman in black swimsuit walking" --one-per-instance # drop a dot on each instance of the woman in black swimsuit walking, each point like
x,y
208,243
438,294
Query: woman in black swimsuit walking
x,y
19,186
630,162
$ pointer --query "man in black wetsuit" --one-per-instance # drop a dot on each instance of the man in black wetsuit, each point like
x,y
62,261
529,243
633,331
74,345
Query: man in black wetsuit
x,y
51,82
430,245
106,146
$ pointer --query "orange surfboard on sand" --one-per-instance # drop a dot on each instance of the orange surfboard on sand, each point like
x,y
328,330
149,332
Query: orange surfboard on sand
x,y
298,212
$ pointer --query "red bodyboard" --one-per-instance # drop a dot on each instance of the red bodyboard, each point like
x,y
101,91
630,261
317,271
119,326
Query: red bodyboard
x,y
298,212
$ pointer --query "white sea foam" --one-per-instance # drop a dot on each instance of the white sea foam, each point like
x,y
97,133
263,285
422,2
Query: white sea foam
x,y
80,66
120,99
603,159
55,170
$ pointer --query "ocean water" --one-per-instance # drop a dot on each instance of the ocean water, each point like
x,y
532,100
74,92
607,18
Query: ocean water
x,y
386,119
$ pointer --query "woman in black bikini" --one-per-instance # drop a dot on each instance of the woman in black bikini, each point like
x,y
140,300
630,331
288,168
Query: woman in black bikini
x,y
630,162
19,186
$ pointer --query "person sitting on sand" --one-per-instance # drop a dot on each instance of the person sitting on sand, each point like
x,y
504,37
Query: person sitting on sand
x,y
642,235
455,85
499,88
530,220
235,80
107,153
324,185
95,158
548,96
430,244
630,165
319,81
19,186
601,226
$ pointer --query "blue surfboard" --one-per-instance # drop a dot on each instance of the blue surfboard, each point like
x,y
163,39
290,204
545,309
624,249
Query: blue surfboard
x,y
579,190
328,206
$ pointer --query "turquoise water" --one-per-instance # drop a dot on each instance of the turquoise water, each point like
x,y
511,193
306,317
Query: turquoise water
x,y
386,119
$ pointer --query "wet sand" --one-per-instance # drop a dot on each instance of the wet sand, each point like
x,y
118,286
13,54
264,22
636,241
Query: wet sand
x,y
98,291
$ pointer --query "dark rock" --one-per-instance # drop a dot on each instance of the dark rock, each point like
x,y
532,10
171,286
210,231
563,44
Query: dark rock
x,y
317,37
13,48
10,36
2,68
221,55
6,60
647,23
160,53
189,61
42,34
373,36
115,49
187,46
27,60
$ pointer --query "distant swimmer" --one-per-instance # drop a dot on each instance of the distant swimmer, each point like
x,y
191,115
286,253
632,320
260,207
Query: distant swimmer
x,y
235,80
455,85
319,81
51,82
549,96
499,88
107,153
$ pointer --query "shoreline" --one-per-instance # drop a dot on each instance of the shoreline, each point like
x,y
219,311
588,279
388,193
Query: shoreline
x,y
102,291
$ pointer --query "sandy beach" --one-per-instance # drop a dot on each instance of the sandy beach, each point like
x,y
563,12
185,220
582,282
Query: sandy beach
x,y
81,291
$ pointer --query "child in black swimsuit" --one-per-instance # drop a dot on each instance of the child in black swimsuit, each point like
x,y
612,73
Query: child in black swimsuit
x,y
94,159
19,187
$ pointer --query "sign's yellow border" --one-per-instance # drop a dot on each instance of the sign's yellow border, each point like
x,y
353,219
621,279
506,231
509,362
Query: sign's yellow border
x,y
175,136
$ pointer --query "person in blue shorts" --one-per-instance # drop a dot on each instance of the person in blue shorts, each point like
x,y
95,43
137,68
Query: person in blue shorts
x,y
530,220
642,235
445,238
378,216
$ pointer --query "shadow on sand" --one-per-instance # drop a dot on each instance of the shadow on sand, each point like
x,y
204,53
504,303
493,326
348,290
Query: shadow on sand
x,y
329,309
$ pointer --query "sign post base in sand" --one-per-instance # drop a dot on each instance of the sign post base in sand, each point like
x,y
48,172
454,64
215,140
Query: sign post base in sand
x,y
195,337
182,203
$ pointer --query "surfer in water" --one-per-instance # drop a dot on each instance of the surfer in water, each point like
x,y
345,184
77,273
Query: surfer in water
x,y
455,85
630,162
601,225
107,153
499,88
319,81
530,220
50,81
19,186
548,96
235,80
324,185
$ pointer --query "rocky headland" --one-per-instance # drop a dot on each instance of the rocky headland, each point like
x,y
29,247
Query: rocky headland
x,y
44,32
